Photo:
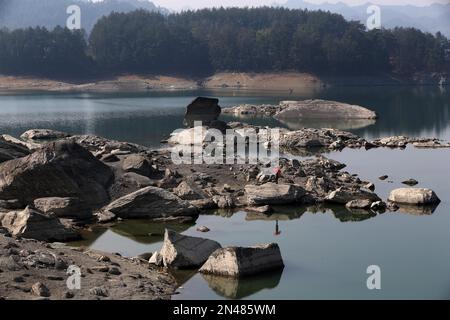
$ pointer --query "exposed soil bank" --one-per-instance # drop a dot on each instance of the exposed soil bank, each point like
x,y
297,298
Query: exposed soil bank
x,y
36,270
292,82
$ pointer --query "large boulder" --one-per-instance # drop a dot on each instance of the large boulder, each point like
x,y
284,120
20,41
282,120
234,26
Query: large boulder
x,y
62,207
10,150
414,196
272,193
202,109
180,251
149,202
58,169
43,134
241,261
344,196
32,224
320,109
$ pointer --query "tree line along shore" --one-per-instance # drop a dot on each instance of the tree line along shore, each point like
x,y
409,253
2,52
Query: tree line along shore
x,y
204,42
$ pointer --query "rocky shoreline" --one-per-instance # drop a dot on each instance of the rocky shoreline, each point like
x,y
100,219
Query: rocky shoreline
x,y
54,184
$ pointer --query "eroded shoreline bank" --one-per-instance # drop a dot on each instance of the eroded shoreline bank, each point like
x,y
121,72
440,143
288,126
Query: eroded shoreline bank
x,y
290,82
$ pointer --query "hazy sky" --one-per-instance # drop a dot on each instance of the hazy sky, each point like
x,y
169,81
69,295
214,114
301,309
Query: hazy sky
x,y
180,4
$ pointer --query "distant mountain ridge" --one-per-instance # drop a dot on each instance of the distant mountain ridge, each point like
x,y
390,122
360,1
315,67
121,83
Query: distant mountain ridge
x,y
51,13
432,18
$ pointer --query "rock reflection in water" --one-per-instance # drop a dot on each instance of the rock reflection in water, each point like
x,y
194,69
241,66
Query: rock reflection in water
x,y
341,124
417,210
145,231
238,288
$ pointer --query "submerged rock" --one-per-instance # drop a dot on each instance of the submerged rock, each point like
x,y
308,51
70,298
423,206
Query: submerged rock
x,y
410,182
32,224
59,169
180,251
149,202
272,193
414,196
243,261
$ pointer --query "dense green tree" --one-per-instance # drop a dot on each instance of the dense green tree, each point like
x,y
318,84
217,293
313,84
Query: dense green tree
x,y
233,39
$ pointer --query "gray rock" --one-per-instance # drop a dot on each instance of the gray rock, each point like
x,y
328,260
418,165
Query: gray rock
x,y
272,193
39,289
322,109
359,204
43,134
30,145
343,196
202,109
150,202
32,224
10,150
97,144
414,196
203,229
410,182
62,207
204,204
180,251
239,261
137,163
224,201
59,169
188,191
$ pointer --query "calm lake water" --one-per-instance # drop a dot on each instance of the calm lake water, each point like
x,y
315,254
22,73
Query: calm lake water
x,y
326,251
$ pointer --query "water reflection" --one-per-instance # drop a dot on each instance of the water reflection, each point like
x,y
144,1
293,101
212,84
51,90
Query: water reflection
x,y
342,124
417,210
239,288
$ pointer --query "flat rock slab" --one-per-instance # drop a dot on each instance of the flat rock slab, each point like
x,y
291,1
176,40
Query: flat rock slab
x,y
180,251
414,196
272,193
319,109
43,134
150,202
243,261
344,196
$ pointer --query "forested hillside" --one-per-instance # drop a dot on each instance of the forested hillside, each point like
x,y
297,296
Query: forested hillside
x,y
206,41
